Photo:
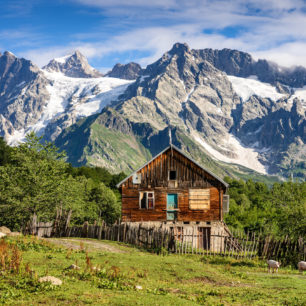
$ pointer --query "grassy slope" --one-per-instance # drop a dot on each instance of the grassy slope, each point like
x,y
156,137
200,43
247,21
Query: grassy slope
x,y
89,142
121,151
166,280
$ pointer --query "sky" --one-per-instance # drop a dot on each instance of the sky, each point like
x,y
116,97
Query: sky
x,y
112,31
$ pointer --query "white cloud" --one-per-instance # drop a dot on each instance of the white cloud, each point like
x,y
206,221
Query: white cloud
x,y
289,54
267,29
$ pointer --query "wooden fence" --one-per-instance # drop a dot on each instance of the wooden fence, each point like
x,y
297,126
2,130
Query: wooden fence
x,y
182,240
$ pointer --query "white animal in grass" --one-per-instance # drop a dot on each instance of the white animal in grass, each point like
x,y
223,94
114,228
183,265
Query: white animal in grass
x,y
274,265
302,266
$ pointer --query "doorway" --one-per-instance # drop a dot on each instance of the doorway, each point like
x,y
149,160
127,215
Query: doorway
x,y
204,238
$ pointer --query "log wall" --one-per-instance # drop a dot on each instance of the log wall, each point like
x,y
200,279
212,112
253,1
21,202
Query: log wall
x,y
155,177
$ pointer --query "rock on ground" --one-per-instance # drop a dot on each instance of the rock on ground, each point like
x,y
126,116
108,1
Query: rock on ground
x,y
4,230
74,267
53,280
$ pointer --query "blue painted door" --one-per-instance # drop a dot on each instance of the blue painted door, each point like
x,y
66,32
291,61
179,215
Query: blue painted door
x,y
171,206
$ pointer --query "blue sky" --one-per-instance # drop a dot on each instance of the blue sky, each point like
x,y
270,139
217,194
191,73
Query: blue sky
x,y
111,31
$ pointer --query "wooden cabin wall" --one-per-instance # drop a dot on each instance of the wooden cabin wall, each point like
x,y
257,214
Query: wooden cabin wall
x,y
155,178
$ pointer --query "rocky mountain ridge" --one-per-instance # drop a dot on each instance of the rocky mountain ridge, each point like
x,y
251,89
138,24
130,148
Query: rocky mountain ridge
x,y
221,107
235,120
47,100
130,71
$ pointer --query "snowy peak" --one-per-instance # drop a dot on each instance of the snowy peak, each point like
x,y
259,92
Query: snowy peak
x,y
9,54
75,65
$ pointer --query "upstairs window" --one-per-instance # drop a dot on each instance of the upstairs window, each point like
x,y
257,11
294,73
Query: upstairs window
x,y
172,175
146,200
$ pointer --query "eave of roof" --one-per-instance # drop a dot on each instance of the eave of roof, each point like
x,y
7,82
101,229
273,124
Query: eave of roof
x,y
181,152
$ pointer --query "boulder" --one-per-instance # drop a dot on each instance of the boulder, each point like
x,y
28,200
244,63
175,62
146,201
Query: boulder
x,y
53,280
73,267
4,230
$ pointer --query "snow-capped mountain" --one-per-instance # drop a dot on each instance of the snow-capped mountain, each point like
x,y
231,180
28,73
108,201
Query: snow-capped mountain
x,y
225,109
47,100
240,115
75,65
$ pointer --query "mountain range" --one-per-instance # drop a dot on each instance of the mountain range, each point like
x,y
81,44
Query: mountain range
x,y
235,115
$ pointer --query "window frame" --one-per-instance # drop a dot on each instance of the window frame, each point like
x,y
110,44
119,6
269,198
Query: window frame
x,y
200,209
147,199
172,170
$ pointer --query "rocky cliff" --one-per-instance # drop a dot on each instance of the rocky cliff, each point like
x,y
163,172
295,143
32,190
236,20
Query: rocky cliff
x,y
130,71
215,106
235,115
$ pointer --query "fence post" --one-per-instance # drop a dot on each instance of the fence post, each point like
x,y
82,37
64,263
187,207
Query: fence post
x,y
118,234
192,240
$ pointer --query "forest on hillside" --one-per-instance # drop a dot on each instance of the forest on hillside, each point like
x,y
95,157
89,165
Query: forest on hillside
x,y
36,179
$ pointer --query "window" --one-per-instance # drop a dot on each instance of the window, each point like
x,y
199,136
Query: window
x,y
146,200
199,199
172,175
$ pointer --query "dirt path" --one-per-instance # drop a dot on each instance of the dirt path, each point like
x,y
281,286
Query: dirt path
x,y
90,245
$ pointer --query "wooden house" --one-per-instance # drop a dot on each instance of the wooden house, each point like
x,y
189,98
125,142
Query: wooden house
x,y
174,191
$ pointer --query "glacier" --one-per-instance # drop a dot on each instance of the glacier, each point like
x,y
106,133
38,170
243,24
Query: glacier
x,y
81,97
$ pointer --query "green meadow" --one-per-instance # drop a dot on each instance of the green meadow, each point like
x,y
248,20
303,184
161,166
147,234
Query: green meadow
x,y
117,274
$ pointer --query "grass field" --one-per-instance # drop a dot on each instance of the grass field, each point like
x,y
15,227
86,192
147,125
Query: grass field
x,y
116,274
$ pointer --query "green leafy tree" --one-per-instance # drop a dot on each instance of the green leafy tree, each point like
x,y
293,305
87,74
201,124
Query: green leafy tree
x,y
108,205
36,180
279,210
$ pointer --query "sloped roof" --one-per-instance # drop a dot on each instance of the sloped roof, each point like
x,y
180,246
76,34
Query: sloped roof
x,y
181,152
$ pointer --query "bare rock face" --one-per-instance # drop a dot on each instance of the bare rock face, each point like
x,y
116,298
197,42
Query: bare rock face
x,y
192,93
23,93
182,89
241,64
75,65
130,71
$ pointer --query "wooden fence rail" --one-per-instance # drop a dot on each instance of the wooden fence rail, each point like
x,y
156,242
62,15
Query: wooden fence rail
x,y
187,240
